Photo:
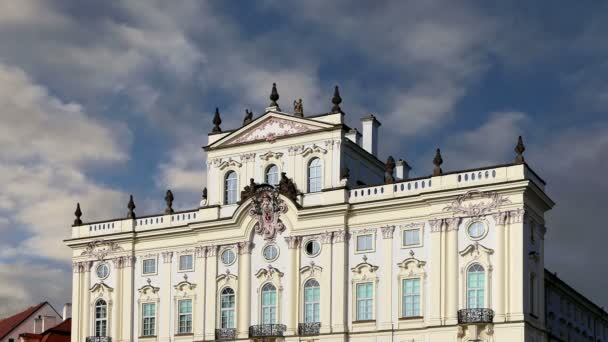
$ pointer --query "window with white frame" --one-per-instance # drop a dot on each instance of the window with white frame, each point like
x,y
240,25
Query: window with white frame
x,y
365,301
184,319
365,242
149,266
314,175
312,301
411,297
101,318
148,319
476,284
272,175
227,303
185,262
230,188
411,237
269,304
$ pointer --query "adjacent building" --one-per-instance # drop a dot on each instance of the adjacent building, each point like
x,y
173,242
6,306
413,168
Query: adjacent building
x,y
34,319
305,234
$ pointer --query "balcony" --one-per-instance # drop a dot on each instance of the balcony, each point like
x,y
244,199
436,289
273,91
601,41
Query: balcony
x,y
225,334
99,339
309,329
475,316
267,330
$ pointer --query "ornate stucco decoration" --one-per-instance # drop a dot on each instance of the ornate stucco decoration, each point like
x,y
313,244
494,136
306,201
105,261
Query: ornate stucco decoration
x,y
101,248
148,289
313,149
411,267
82,266
123,261
271,155
101,287
271,274
310,270
228,163
364,271
267,209
491,201
226,278
341,236
185,285
167,257
475,250
272,128
388,231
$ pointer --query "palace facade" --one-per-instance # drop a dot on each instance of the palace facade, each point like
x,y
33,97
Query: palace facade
x,y
304,234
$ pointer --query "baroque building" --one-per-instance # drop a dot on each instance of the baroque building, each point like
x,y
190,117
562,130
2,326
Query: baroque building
x,y
304,234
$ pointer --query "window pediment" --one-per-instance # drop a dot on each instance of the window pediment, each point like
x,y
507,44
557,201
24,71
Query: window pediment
x,y
364,271
269,274
311,270
411,267
475,250
101,287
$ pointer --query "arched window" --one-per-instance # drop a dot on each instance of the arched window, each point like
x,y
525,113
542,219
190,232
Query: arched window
x,y
314,175
476,284
269,304
272,175
230,188
312,301
227,308
101,318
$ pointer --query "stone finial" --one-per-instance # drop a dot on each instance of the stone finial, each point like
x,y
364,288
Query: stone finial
x,y
336,100
274,96
248,117
217,121
131,207
437,161
78,214
390,169
169,200
519,149
298,108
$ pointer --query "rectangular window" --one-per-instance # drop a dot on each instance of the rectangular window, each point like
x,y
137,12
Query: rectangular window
x,y
365,242
411,237
185,262
411,297
312,299
149,266
269,307
148,319
365,301
184,316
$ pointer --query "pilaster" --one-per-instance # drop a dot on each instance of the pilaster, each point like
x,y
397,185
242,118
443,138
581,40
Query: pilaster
x,y
451,313
435,291
386,281
244,291
126,309
500,221
340,281
77,303
293,244
326,290
210,293
165,307
116,316
516,265
199,276
87,308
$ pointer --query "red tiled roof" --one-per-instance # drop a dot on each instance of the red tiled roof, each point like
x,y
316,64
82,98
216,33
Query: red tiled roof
x,y
58,333
65,326
10,323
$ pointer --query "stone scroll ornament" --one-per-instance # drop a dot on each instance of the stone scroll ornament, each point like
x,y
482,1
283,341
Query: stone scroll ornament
x,y
267,209
493,201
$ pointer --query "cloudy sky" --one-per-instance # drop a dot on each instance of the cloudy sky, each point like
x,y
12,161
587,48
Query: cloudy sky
x,y
101,99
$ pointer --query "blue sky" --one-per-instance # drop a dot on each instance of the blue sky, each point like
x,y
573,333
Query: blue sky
x,y
102,99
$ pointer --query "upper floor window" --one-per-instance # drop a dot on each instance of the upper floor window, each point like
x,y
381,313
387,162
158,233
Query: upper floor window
x,y
312,301
365,242
476,283
314,175
184,319
411,297
227,303
185,262
272,175
269,304
103,270
149,266
101,318
230,188
365,301
411,237
148,319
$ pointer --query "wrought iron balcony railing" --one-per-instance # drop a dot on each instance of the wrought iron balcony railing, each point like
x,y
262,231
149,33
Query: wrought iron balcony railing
x,y
475,316
225,334
309,329
267,330
99,339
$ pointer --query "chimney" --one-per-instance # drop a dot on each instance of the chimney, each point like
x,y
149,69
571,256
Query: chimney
x,y
48,322
370,134
402,170
67,311
354,136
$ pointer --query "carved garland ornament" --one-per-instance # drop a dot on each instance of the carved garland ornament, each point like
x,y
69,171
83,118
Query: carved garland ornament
x,y
267,208
477,210
100,249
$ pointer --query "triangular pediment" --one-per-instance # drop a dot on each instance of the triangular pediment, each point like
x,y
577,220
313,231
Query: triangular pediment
x,y
270,127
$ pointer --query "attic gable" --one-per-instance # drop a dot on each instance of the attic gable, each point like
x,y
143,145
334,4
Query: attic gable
x,y
269,127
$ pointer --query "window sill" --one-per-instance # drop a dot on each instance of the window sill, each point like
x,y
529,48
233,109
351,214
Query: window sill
x,y
365,321
411,318
147,336
186,270
184,334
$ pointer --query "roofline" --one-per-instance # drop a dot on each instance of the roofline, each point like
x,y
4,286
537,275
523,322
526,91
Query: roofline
x,y
40,306
136,217
561,282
